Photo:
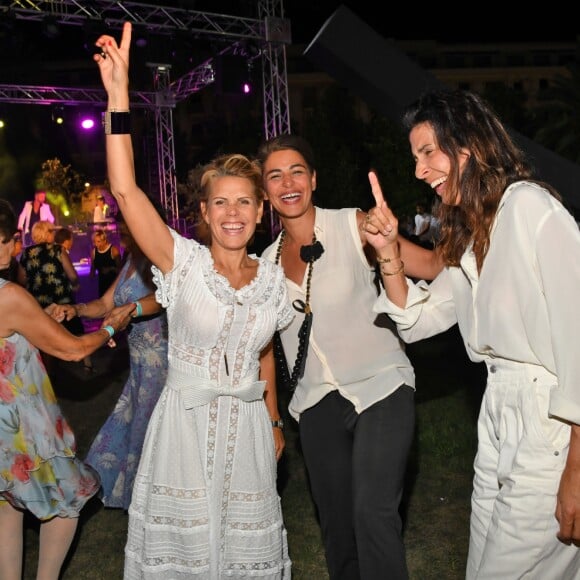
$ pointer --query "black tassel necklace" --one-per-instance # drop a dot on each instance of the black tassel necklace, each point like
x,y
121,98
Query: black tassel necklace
x,y
308,254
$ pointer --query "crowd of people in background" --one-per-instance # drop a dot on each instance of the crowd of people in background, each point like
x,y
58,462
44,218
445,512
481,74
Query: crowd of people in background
x,y
39,470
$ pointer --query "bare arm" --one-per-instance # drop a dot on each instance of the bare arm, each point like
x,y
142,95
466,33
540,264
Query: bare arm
x,y
148,229
97,308
268,374
419,262
23,314
93,268
116,255
69,269
145,306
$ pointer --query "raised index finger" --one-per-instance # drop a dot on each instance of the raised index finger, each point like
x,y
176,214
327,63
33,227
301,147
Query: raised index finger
x,y
376,189
126,36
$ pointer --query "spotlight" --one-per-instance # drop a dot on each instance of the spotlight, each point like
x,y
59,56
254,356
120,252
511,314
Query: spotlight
x,y
50,27
87,123
2,124
57,116
233,75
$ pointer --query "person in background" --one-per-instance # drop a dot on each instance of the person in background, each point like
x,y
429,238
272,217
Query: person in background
x,y
39,470
105,260
422,234
34,211
116,450
50,274
353,385
205,502
15,272
101,211
511,284
65,238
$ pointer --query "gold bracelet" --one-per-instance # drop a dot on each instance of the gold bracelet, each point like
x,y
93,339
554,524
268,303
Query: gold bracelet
x,y
397,271
387,260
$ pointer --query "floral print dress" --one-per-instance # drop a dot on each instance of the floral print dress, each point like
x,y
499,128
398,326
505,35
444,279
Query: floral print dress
x,y
116,450
39,470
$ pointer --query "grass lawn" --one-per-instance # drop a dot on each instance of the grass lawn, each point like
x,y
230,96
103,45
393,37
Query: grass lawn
x,y
436,503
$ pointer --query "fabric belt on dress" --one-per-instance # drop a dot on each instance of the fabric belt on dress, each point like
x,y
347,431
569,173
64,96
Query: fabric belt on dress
x,y
197,391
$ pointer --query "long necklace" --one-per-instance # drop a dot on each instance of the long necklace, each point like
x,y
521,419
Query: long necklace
x,y
309,254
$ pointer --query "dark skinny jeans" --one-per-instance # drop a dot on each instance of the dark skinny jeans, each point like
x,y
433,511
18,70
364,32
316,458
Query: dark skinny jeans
x,y
356,466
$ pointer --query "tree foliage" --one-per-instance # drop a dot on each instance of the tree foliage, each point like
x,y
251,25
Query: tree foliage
x,y
556,115
62,183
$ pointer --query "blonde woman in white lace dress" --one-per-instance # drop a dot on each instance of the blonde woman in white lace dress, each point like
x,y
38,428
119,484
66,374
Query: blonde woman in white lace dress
x,y
205,504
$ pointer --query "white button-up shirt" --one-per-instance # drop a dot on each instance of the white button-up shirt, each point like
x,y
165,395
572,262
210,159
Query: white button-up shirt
x,y
524,306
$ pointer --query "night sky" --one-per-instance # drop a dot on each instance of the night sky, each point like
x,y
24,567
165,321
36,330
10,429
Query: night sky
x,y
467,22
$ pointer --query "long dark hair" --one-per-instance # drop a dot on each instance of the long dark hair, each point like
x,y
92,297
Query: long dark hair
x,y
462,120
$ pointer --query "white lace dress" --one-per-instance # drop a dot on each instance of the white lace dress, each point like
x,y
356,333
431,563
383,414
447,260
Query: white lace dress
x,y
205,504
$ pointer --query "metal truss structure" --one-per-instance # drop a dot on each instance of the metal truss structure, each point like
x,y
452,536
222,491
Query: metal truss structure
x,y
270,32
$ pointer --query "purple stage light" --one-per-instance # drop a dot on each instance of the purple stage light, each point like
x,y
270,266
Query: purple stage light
x,y
87,123
247,88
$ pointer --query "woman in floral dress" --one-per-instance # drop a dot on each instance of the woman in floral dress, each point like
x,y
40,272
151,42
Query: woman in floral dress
x,y
116,450
39,471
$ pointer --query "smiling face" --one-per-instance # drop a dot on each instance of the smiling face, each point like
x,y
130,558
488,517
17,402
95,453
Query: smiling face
x,y
231,211
432,165
288,182
100,241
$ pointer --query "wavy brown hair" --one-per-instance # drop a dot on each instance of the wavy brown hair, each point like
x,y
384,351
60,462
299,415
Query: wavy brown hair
x,y
463,121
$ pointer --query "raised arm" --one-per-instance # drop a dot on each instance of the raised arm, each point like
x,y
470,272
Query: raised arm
x,y
381,230
145,224
420,262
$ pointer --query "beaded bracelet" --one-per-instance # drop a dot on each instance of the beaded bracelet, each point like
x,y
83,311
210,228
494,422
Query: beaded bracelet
x,y
110,330
397,271
138,308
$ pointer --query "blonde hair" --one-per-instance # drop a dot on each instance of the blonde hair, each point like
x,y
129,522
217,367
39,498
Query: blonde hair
x,y
100,234
229,165
41,231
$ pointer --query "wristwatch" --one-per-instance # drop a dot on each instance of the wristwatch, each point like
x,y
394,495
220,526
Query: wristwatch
x,y
278,423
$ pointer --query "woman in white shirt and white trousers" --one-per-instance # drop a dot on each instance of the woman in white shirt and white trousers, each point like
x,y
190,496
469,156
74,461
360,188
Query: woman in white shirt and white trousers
x,y
512,255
